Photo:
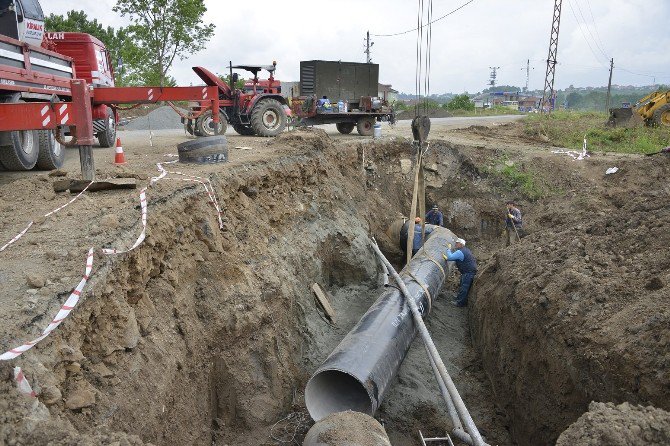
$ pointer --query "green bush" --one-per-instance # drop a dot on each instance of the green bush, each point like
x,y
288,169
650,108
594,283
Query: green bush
x,y
460,102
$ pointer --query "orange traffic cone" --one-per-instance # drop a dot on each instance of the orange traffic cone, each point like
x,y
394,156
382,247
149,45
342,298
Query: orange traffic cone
x,y
119,156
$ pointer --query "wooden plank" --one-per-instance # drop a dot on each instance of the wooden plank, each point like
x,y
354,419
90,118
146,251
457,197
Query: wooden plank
x,y
112,183
323,301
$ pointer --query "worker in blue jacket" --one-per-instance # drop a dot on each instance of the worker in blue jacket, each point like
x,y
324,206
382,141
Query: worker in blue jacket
x,y
434,216
416,242
467,266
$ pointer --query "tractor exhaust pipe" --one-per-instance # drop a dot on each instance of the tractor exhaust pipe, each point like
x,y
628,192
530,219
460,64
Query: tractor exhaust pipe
x,y
358,372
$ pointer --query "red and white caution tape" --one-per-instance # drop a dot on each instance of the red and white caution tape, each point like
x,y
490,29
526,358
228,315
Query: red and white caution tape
x,y
22,383
143,209
206,183
48,214
64,311
72,301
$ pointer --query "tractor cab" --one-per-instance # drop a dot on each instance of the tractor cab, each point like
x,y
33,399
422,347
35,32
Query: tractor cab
x,y
22,20
255,85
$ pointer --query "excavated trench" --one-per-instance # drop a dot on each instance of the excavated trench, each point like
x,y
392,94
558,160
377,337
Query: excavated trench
x,y
208,337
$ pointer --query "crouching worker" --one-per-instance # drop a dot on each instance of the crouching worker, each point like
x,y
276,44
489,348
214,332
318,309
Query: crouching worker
x,y
418,240
467,266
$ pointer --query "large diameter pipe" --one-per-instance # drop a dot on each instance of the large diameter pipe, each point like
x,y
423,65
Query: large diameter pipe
x,y
358,372
430,346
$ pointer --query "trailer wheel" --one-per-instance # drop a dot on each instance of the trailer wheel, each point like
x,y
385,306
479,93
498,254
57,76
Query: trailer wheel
x,y
207,150
243,130
345,127
18,149
205,126
51,152
268,118
662,116
107,138
365,126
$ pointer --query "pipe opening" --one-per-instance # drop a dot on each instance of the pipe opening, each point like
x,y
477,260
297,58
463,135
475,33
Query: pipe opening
x,y
332,391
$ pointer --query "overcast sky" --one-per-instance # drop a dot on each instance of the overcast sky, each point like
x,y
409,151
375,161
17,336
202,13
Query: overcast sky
x,y
483,34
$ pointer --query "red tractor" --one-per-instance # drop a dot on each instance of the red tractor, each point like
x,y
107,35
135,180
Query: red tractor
x,y
256,109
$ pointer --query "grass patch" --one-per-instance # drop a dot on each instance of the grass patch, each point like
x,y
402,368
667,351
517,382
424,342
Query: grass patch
x,y
567,129
525,182
493,111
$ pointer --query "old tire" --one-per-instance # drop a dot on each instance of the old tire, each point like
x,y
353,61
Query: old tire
x,y
345,127
107,138
205,126
268,118
206,150
51,152
365,126
18,149
662,116
243,130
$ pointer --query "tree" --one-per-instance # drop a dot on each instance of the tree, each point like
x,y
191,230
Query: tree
x,y
165,30
117,41
460,102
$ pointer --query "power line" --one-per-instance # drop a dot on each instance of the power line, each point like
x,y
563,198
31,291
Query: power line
x,y
589,30
595,26
421,25
583,34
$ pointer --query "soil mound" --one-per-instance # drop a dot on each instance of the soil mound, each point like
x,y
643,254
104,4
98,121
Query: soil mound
x,y
622,425
584,300
160,119
304,137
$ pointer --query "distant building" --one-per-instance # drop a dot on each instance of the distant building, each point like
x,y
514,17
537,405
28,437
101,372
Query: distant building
x,y
387,93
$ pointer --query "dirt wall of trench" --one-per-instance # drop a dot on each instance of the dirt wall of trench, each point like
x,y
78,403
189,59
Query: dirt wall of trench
x,y
196,337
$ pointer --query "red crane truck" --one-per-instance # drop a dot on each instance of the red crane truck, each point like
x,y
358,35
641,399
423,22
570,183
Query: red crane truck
x,y
38,67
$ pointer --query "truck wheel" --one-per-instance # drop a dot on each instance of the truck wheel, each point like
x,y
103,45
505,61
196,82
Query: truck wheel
x,y
51,152
268,118
345,127
662,115
365,126
205,126
207,150
18,149
107,138
243,130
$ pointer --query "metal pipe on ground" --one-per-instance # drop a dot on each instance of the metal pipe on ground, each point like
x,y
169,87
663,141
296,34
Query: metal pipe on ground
x,y
357,373
417,316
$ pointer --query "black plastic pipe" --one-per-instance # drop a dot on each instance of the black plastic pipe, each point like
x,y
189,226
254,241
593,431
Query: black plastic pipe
x,y
358,372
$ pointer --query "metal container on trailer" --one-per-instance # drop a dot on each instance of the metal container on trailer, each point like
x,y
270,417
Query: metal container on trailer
x,y
347,81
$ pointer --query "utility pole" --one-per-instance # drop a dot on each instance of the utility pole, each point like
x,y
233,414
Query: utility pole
x,y
368,46
609,87
548,93
493,76
527,74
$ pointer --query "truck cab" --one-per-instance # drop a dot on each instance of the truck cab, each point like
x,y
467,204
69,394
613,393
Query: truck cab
x,y
22,20
91,58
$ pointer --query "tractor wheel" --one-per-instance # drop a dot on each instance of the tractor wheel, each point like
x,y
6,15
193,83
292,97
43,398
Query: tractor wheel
x,y
662,116
243,130
18,149
205,126
268,118
51,152
107,138
366,126
345,127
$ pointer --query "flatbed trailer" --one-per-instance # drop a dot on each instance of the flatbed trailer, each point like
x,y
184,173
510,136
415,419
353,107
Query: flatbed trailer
x,y
306,112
